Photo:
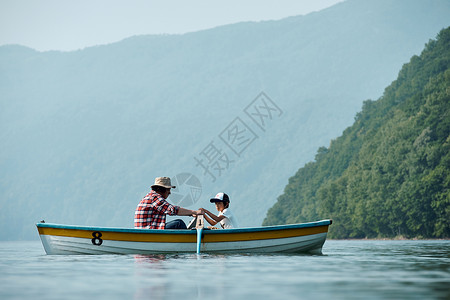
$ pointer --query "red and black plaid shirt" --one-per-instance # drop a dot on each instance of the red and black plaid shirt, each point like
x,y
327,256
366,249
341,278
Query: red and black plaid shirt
x,y
152,210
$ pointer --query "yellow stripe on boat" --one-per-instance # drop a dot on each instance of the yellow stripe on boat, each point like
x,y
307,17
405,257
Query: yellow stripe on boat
x,y
210,236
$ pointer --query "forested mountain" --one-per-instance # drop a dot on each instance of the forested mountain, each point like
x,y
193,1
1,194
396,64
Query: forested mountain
x,y
83,134
388,174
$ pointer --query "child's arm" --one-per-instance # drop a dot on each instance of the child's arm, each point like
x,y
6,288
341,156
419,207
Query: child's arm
x,y
209,220
214,219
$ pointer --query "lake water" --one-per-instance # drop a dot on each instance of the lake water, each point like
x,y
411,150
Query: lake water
x,y
346,270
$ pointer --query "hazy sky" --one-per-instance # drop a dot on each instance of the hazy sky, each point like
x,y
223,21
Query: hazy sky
x,y
74,24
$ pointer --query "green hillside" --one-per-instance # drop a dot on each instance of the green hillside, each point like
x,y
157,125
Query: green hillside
x,y
388,175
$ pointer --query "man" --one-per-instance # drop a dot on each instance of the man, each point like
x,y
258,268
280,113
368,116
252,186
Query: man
x,y
152,210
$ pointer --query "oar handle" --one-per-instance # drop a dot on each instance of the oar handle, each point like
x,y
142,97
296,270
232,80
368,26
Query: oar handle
x,y
199,225
200,222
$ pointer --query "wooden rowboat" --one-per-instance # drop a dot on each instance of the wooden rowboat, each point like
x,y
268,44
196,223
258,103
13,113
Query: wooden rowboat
x,y
70,239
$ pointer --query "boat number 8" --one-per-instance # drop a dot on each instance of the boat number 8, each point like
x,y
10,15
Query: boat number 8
x,y
97,238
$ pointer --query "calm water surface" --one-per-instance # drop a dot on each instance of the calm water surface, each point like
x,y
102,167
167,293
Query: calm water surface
x,y
347,270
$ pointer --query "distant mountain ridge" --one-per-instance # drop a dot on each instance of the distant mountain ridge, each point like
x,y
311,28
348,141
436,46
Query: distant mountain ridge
x,y
388,175
84,133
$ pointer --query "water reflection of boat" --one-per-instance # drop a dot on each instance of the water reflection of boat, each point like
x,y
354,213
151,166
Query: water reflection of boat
x,y
70,239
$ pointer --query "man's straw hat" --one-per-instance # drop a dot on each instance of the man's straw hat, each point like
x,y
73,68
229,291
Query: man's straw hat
x,y
164,182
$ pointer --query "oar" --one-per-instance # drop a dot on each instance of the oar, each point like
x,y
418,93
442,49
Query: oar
x,y
199,227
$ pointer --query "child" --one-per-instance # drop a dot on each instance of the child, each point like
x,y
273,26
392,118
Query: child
x,y
226,218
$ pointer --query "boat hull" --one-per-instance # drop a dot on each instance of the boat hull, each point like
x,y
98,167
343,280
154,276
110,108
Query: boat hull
x,y
69,239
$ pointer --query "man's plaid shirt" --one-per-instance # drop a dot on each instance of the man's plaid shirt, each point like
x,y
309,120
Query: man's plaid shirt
x,y
151,212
